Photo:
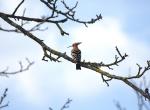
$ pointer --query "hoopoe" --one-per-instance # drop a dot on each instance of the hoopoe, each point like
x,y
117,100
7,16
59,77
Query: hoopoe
x,y
76,55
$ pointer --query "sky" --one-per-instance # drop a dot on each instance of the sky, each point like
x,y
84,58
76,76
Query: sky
x,y
48,84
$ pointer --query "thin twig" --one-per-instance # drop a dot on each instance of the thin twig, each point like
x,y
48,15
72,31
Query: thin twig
x,y
2,99
17,7
66,105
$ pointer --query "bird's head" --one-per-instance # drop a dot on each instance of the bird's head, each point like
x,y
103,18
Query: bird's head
x,y
75,44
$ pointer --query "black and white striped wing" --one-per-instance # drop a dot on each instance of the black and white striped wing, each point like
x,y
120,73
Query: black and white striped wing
x,y
76,55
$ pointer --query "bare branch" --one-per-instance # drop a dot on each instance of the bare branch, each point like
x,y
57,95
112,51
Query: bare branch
x,y
22,69
56,14
70,11
34,28
70,14
34,19
3,98
54,55
66,105
22,23
141,103
106,80
49,56
118,59
37,28
8,30
140,72
17,7
61,30
83,64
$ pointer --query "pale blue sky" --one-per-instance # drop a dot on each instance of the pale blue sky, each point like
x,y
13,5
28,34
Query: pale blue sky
x,y
125,24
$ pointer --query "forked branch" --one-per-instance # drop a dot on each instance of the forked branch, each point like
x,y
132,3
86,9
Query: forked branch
x,y
118,59
65,106
22,69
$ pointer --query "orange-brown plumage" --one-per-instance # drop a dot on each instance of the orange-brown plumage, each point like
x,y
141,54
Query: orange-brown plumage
x,y
76,55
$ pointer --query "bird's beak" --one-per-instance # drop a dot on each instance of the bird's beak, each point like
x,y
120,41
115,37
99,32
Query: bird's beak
x,y
69,46
79,43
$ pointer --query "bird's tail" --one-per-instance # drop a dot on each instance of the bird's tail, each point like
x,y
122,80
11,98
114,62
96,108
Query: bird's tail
x,y
78,66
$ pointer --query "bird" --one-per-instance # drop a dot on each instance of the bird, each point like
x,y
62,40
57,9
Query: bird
x,y
76,55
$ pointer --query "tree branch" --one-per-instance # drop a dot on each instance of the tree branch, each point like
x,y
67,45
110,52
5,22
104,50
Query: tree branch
x,y
70,14
34,19
83,64
65,106
118,59
141,103
22,69
57,16
3,98
17,7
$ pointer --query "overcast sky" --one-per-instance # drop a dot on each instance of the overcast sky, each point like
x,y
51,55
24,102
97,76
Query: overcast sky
x,y
47,84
